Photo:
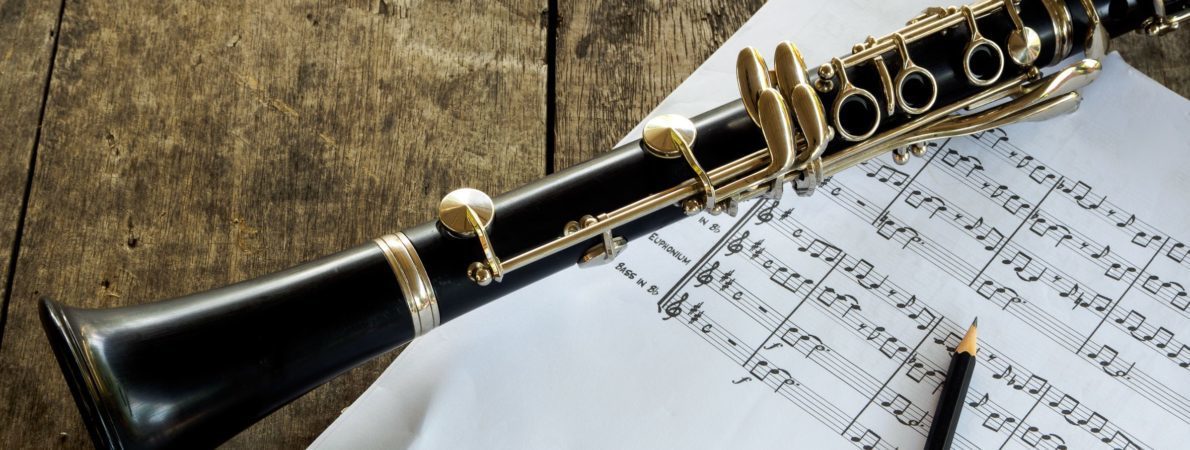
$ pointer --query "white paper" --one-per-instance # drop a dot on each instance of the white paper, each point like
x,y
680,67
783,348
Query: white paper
x,y
795,344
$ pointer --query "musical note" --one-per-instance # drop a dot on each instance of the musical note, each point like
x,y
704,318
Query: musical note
x,y
1040,176
888,230
949,342
822,250
924,318
1105,351
1033,385
1014,204
982,401
762,369
1024,160
852,304
1100,254
1020,264
952,158
996,421
1177,252
891,347
1074,289
1124,444
1172,289
1033,437
998,191
1127,222
1006,372
1094,422
1059,262
867,441
1143,239
886,174
1160,337
899,405
1117,271
1003,137
988,290
991,239
813,343
933,204
789,279
861,270
907,303
917,371
1132,321
1041,228
1080,192
1180,357
1098,303
1066,405
1106,357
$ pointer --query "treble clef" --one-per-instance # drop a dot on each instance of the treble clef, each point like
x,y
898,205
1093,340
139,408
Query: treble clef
x,y
707,275
737,244
766,213
674,308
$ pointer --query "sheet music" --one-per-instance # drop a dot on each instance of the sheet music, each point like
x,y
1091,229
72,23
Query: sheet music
x,y
828,321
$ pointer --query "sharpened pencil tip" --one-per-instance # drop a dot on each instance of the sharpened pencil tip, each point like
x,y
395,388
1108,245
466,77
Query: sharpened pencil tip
x,y
969,344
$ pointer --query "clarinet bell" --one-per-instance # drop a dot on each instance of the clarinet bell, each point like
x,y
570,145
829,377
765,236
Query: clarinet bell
x,y
196,370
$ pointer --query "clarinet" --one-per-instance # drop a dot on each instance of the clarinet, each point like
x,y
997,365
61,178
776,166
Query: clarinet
x,y
194,371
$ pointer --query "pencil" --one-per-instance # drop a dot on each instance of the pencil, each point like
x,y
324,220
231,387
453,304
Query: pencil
x,y
954,391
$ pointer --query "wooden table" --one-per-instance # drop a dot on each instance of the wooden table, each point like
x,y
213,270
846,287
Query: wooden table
x,y
151,149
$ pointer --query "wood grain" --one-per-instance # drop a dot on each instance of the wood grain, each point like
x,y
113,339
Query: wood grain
x,y
190,145
27,32
1163,58
186,146
617,59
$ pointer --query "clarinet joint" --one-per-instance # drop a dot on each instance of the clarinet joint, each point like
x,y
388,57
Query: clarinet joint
x,y
786,103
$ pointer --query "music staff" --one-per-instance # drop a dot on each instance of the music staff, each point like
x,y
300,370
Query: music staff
x,y
788,283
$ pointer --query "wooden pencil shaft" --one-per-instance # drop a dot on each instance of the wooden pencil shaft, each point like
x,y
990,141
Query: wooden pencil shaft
x,y
950,403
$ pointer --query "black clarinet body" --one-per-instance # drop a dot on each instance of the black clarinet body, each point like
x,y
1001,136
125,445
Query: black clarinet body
x,y
196,370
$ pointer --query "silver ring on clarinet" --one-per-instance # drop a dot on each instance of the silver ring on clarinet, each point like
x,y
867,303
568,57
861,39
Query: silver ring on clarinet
x,y
415,282
1063,29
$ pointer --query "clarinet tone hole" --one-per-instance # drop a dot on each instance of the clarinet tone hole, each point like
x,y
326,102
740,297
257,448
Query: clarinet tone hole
x,y
917,91
984,62
857,116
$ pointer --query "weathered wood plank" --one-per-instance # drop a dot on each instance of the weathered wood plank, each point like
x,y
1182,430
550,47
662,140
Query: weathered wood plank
x,y
190,145
27,31
616,59
1164,58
